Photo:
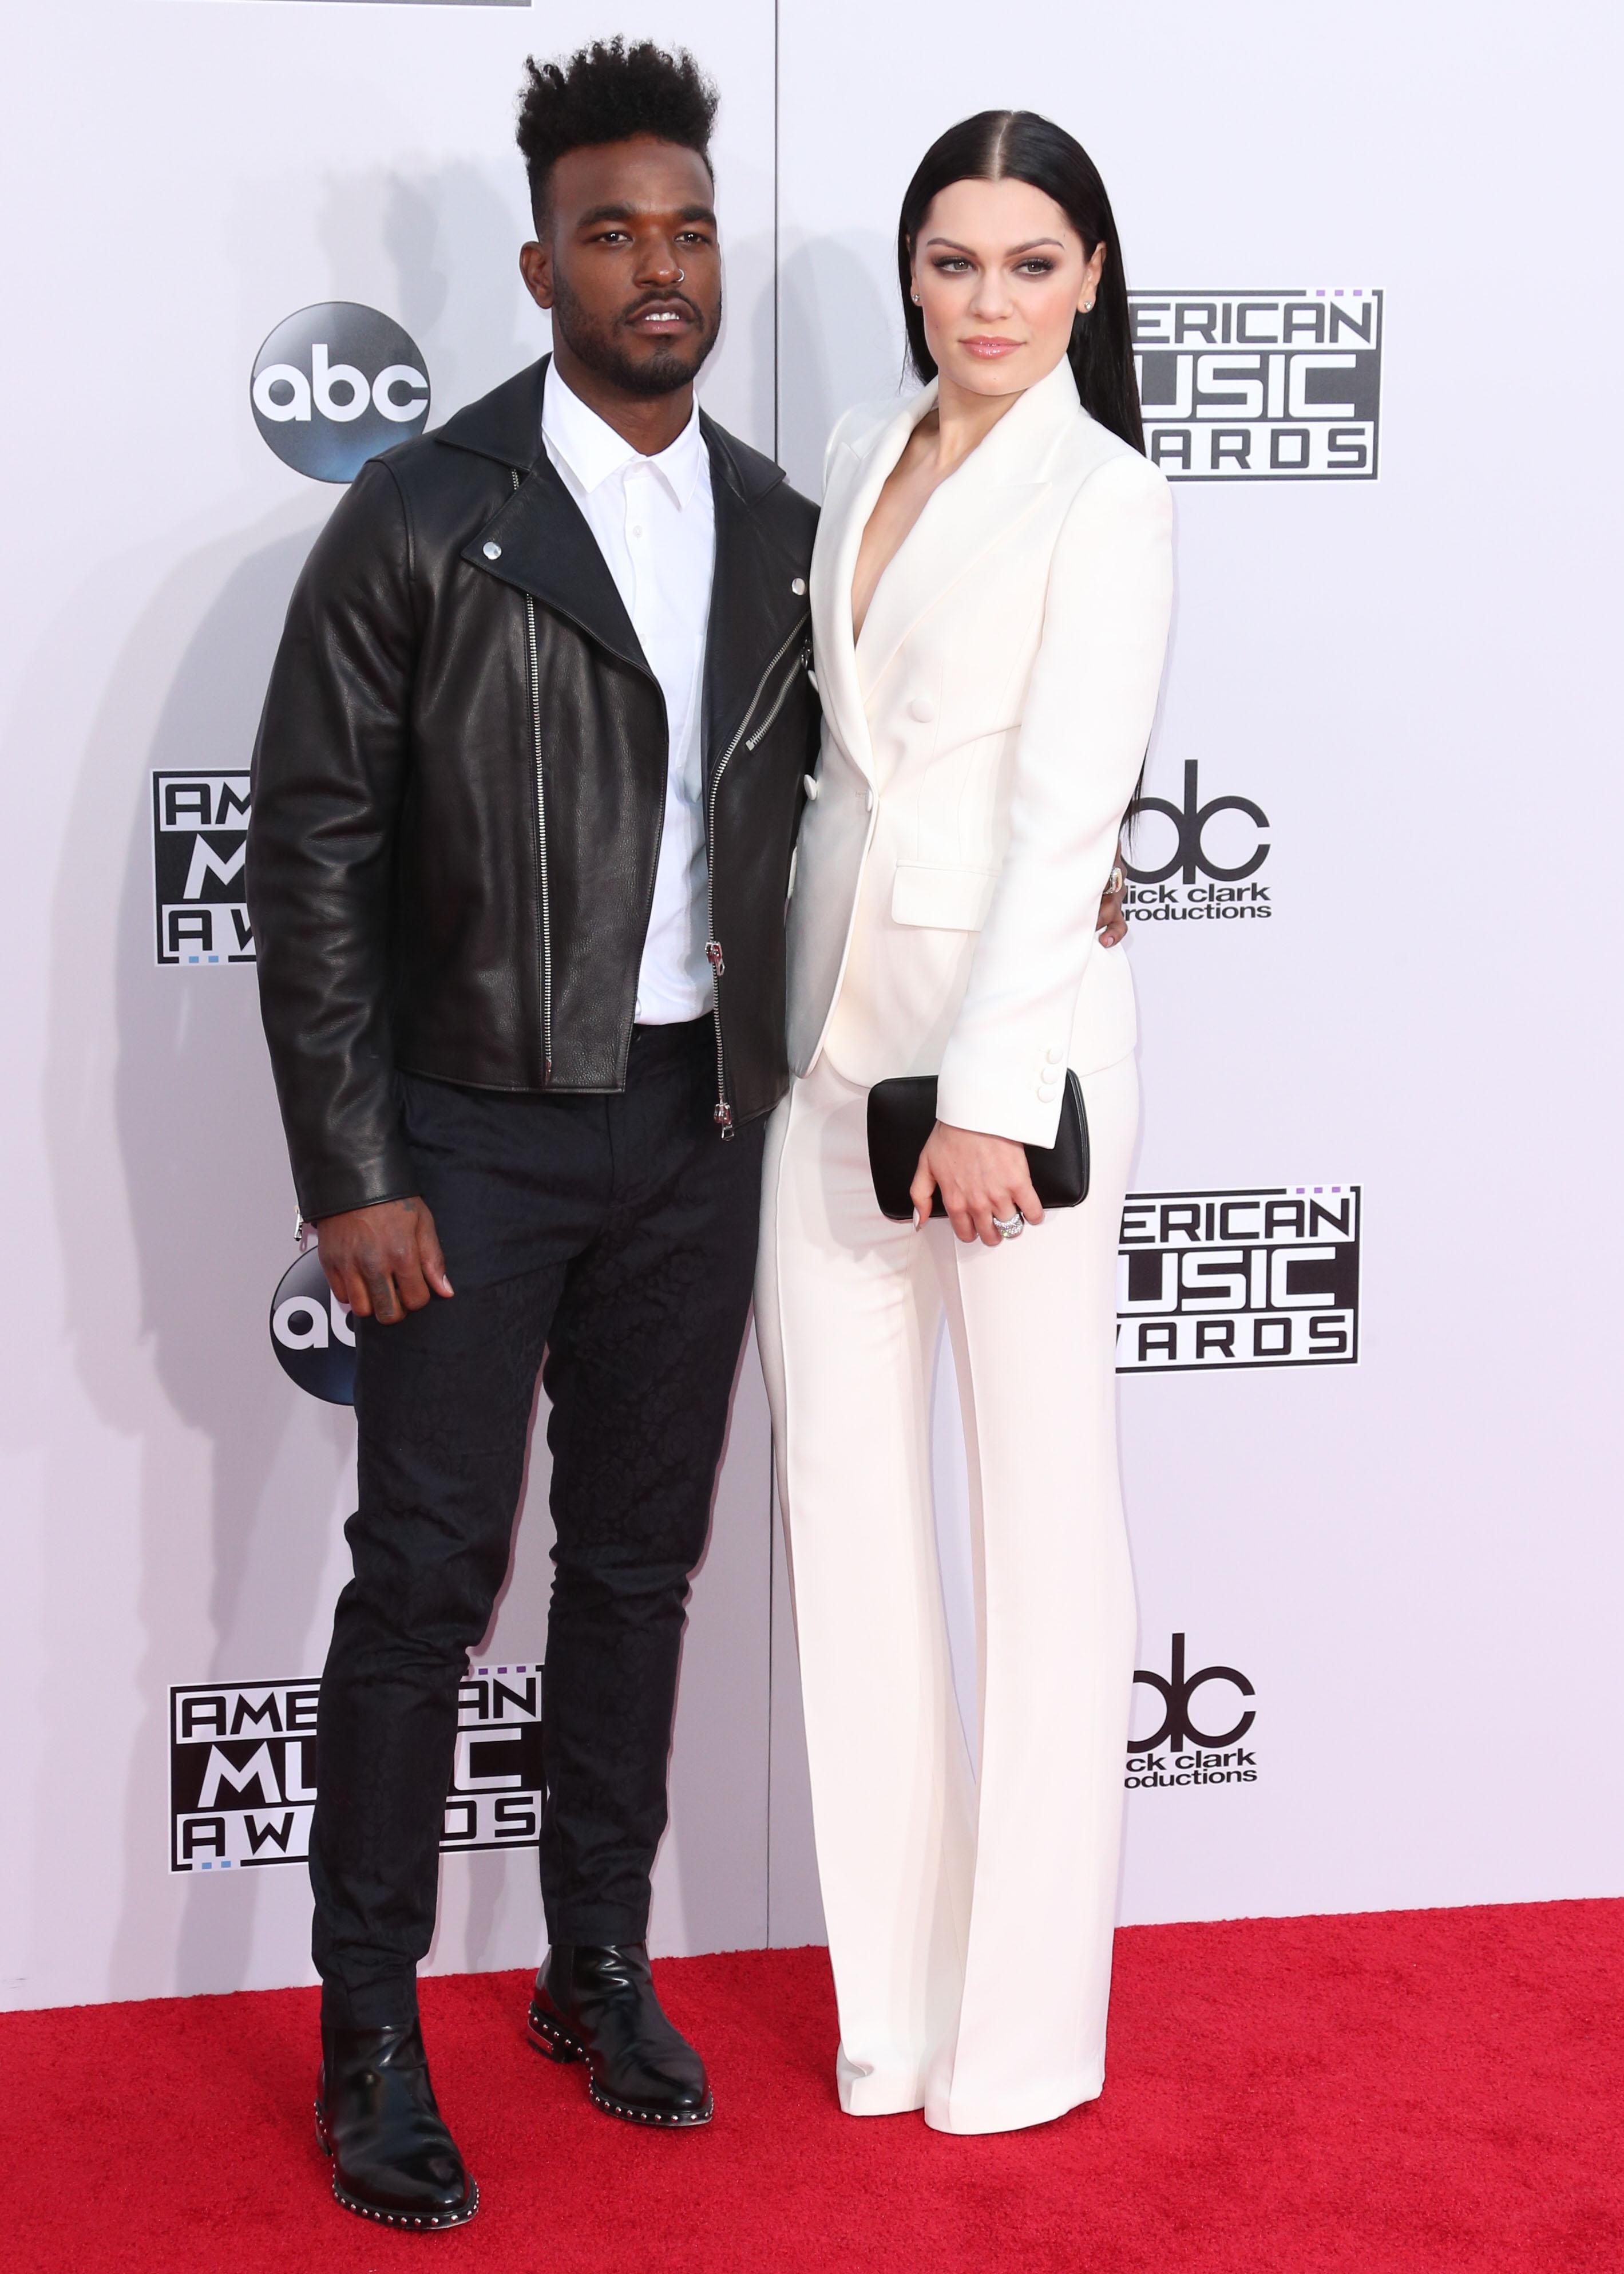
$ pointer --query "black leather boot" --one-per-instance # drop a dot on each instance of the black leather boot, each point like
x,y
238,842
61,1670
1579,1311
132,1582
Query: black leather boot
x,y
393,2159
595,2002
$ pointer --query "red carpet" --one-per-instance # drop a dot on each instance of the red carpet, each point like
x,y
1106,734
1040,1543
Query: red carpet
x,y
1399,2093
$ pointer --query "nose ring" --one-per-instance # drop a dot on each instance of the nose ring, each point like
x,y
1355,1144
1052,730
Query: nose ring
x,y
679,276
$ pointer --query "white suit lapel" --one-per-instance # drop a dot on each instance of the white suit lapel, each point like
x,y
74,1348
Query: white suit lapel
x,y
855,481
975,508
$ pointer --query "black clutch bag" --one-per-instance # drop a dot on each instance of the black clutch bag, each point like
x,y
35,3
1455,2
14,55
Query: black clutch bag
x,y
902,1114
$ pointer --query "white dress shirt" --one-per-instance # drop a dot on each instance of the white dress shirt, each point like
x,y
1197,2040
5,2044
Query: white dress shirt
x,y
655,524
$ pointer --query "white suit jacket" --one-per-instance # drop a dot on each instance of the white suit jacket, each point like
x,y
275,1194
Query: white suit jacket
x,y
980,742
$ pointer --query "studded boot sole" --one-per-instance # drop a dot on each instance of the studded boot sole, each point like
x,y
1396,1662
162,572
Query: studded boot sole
x,y
418,2222
557,2042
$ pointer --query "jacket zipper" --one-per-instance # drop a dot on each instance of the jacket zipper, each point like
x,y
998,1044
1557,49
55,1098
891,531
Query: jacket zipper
x,y
541,842
541,832
722,1111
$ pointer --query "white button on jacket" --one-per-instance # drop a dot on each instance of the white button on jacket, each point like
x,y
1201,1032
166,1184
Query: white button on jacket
x,y
954,933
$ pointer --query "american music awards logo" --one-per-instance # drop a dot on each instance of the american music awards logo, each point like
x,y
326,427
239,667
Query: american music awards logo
x,y
1220,1282
1267,386
243,1769
199,853
1201,1715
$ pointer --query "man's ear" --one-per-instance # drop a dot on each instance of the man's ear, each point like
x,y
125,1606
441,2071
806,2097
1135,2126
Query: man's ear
x,y
536,267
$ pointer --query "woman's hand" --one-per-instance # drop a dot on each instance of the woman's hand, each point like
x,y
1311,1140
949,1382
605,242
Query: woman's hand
x,y
979,1178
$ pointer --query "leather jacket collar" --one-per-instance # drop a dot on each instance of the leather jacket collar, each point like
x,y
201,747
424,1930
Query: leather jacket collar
x,y
544,546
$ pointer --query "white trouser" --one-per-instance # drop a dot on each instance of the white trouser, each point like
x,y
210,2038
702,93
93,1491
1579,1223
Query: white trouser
x,y
969,1922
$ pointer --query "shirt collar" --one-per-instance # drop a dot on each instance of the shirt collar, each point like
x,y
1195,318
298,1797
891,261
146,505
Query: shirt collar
x,y
593,451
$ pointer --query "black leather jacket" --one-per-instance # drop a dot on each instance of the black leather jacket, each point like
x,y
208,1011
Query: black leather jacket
x,y
460,784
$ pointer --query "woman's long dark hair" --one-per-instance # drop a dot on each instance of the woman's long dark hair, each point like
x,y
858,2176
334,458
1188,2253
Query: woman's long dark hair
x,y
998,145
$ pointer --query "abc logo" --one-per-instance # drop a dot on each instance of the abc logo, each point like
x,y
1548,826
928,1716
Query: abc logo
x,y
312,1335
335,384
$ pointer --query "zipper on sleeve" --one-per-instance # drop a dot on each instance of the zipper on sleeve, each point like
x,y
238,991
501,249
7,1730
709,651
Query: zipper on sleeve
x,y
722,1111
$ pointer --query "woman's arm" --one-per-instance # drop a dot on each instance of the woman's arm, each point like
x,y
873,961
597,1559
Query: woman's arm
x,y
983,1178
1087,717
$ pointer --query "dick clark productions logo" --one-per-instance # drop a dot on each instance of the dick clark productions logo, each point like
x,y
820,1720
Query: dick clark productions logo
x,y
1196,1752
334,385
1207,870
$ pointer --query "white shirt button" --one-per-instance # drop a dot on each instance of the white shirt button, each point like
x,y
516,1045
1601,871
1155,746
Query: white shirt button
x,y
809,783
868,802
1053,1056
922,708
798,585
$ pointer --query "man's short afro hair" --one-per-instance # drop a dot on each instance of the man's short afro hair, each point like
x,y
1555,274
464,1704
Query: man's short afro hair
x,y
607,93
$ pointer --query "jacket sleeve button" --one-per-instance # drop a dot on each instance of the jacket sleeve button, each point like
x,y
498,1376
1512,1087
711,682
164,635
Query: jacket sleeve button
x,y
492,552
922,708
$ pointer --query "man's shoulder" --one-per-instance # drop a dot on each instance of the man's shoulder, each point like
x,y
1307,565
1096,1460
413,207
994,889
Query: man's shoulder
x,y
763,484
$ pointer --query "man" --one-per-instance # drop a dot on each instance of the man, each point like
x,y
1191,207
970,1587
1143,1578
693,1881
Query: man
x,y
525,795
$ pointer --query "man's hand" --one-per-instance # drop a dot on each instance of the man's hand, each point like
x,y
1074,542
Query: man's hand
x,y
979,1178
384,1260
1110,925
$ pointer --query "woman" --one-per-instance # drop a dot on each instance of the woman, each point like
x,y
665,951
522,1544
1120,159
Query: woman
x,y
990,596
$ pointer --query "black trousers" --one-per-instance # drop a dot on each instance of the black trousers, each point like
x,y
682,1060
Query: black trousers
x,y
618,1233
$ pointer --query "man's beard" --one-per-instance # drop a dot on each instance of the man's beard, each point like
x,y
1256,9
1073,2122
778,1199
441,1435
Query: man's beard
x,y
598,347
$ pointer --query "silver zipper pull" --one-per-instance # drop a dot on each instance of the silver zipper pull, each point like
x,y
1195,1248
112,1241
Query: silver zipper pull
x,y
713,956
722,1114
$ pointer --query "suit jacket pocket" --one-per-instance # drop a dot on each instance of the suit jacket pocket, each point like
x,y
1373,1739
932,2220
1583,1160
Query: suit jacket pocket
x,y
943,900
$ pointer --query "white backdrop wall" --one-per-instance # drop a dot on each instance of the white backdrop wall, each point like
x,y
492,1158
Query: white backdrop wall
x,y
1413,1559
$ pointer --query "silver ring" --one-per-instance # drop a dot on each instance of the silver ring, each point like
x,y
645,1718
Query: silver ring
x,y
1010,1227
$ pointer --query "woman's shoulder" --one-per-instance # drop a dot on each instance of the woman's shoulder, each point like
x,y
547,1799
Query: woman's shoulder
x,y
1091,454
1106,485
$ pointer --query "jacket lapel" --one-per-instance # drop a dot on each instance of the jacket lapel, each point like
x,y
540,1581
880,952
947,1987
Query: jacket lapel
x,y
538,539
855,481
976,508
754,609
